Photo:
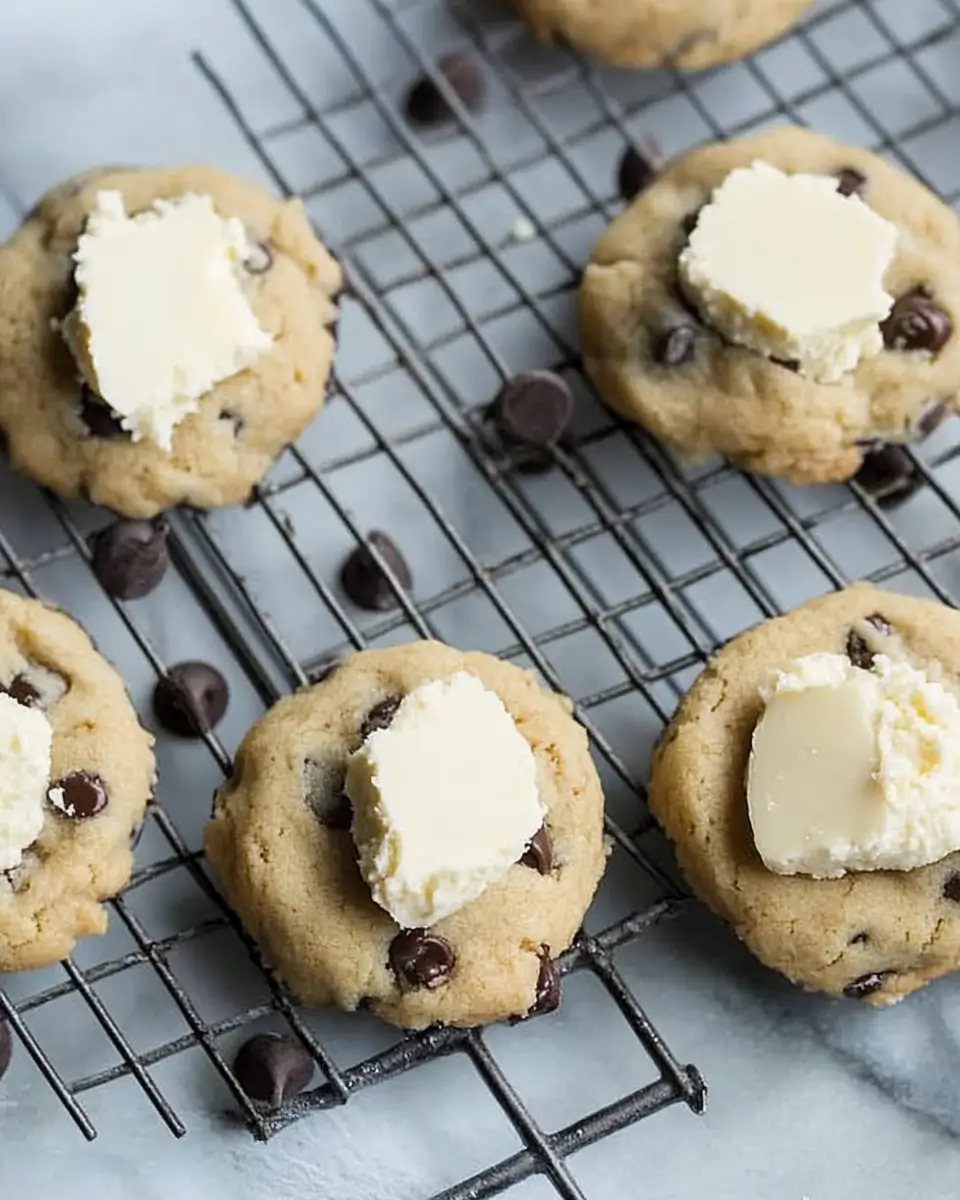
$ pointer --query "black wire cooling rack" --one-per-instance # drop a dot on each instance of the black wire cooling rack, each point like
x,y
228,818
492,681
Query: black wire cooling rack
x,y
859,60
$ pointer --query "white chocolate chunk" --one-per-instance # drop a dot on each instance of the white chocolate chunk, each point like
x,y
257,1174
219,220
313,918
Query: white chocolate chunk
x,y
161,316
790,268
445,800
854,770
25,741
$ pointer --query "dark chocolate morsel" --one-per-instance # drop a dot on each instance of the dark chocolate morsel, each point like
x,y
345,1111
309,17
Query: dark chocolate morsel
x,y
363,579
259,260
689,222
539,852
951,887
190,699
859,652
425,103
272,1067
674,346
323,792
917,322
380,716
79,795
131,557
421,959
865,985
6,1048
534,408
889,475
635,173
100,420
547,997
880,623
850,181
22,690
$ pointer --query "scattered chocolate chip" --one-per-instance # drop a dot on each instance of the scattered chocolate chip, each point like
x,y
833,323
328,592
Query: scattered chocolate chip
x,y
426,104
79,795
421,959
889,475
930,417
380,716
674,346
533,409
259,260
539,852
859,652
548,985
866,985
363,579
859,939
951,887
191,699
131,557
101,421
850,181
689,222
272,1067
6,1048
880,623
917,322
323,791
635,173
23,691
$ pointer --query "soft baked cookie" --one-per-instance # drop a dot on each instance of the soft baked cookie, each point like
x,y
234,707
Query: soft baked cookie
x,y
875,935
689,34
101,774
281,841
60,435
657,362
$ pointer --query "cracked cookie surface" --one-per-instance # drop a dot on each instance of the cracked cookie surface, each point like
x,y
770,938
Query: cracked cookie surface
x,y
872,935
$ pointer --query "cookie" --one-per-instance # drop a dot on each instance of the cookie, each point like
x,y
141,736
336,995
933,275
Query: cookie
x,y
101,776
871,935
689,34
56,430
657,363
280,839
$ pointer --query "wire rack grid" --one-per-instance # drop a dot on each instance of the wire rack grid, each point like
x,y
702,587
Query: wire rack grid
x,y
656,563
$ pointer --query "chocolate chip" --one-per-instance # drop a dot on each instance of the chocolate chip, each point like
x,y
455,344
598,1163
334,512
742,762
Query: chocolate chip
x,y
689,222
917,322
79,795
850,181
859,652
951,887
191,699
272,1067
421,959
426,104
889,475
323,791
859,939
539,852
6,1048
533,409
929,418
880,623
635,173
866,985
363,579
131,557
259,260
547,997
23,691
101,421
380,716
675,345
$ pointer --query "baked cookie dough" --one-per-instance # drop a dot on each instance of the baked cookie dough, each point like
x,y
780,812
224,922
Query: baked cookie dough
x,y
55,428
101,776
871,935
657,363
689,34
280,839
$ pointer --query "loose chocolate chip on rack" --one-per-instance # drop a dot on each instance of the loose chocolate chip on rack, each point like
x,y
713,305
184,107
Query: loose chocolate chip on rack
x,y
539,852
101,421
363,579
635,172
859,652
534,408
547,997
79,795
421,959
675,345
951,887
260,259
272,1067
930,417
22,690
917,322
850,181
6,1048
427,105
131,557
191,699
380,716
323,791
866,985
889,475
859,939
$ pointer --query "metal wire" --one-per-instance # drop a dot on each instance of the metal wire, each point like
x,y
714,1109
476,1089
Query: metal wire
x,y
230,604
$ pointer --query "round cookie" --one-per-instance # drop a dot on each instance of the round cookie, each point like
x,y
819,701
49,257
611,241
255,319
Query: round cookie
x,y
689,34
53,896
219,452
873,935
283,849
656,364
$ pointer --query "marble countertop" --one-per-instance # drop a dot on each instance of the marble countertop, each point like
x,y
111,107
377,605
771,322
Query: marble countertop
x,y
808,1097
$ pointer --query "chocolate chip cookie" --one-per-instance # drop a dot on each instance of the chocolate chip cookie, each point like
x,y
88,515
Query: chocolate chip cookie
x,y
58,431
101,776
871,935
653,33
658,363
280,839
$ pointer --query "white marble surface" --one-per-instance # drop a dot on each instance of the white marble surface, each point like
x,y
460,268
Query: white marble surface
x,y
808,1098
